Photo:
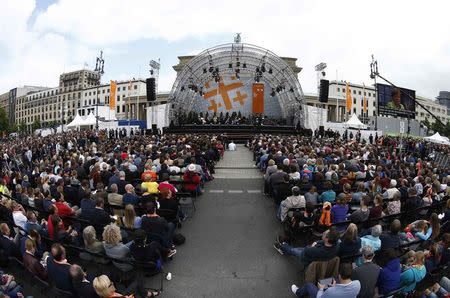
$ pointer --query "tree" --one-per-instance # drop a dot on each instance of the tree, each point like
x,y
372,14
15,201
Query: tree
x,y
4,123
36,124
22,127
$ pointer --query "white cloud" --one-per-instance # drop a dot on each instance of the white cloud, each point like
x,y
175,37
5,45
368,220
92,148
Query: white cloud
x,y
409,38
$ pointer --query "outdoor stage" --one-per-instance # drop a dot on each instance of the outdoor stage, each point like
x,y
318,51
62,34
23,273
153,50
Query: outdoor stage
x,y
236,132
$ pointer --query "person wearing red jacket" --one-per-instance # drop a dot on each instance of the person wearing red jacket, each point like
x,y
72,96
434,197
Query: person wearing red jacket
x,y
193,180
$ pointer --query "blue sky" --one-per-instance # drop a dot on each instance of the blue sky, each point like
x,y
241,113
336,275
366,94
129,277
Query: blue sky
x,y
41,39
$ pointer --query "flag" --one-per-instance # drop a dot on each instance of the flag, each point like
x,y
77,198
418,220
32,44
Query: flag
x,y
364,99
349,97
258,98
112,95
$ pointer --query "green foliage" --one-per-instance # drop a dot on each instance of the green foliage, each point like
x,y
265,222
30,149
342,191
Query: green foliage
x,y
4,122
36,124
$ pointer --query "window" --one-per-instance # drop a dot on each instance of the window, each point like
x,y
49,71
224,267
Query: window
x,y
354,110
354,91
123,109
373,103
90,93
369,94
135,87
374,113
118,109
359,92
103,91
118,97
354,100
107,90
339,89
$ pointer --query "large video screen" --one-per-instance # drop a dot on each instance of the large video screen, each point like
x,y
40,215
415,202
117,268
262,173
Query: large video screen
x,y
395,101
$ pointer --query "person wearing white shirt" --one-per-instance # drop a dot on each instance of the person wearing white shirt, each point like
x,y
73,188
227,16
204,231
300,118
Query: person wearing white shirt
x,y
19,216
232,146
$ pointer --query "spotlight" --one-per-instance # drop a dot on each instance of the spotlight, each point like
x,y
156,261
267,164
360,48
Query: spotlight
x,y
217,79
263,67
270,70
256,78
244,65
272,93
217,69
182,88
230,65
238,63
291,89
205,70
211,69
278,88
238,70
257,69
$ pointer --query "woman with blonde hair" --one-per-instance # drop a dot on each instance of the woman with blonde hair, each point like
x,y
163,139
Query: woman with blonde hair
x,y
130,220
350,242
411,277
114,248
104,288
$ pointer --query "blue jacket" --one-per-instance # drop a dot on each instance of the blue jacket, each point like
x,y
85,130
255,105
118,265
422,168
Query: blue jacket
x,y
389,278
411,277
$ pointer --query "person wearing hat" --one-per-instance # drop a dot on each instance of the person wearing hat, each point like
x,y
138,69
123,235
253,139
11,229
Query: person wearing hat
x,y
192,180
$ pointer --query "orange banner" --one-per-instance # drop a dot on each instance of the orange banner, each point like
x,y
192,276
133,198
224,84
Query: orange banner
x,y
349,98
112,95
258,98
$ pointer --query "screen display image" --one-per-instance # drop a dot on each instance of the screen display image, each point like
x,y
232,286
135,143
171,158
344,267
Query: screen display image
x,y
395,101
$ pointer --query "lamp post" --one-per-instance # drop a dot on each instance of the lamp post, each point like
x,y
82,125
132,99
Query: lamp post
x,y
99,69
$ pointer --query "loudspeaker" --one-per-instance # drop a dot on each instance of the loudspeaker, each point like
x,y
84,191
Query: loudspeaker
x,y
151,89
323,93
321,130
154,129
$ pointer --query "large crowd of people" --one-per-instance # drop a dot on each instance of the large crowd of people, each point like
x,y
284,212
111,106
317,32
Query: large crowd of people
x,y
362,218
87,198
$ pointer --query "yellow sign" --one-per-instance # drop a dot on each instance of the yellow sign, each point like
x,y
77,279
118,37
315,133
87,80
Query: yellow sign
x,y
222,91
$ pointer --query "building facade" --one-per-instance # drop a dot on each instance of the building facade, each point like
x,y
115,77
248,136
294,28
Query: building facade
x,y
336,105
444,99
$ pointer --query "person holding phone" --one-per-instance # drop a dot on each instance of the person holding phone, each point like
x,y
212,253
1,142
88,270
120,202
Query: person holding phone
x,y
345,288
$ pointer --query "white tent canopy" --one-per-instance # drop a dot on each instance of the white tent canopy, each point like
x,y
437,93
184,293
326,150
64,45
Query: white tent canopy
x,y
90,120
355,123
77,121
438,139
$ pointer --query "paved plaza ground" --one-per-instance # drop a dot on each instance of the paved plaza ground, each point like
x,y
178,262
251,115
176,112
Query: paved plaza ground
x,y
228,251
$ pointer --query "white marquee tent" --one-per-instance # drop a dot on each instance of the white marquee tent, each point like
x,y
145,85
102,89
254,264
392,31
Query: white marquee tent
x,y
438,139
90,120
76,122
354,122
